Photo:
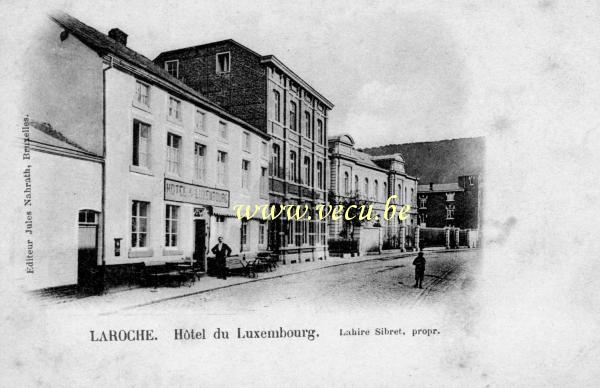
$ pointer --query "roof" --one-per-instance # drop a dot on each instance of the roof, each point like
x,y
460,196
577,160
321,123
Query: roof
x,y
439,187
103,44
263,59
345,138
440,161
44,137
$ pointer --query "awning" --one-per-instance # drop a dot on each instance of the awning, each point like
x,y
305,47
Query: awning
x,y
222,211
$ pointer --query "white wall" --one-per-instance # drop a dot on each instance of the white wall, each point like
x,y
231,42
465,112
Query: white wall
x,y
61,187
124,185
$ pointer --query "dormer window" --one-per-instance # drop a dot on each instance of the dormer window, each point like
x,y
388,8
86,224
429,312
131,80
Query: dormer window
x,y
471,181
223,63
172,67
449,197
423,202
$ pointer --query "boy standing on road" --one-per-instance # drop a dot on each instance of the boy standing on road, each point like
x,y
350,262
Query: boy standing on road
x,y
419,264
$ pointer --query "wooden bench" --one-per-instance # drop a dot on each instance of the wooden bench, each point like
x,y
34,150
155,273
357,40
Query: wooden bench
x,y
157,271
237,265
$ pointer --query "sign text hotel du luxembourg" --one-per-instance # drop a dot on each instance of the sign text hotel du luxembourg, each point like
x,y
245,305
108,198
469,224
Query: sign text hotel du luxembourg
x,y
199,195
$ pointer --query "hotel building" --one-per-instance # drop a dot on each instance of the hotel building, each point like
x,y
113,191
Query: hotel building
x,y
158,167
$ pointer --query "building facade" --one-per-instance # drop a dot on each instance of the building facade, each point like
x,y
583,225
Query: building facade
x,y
171,164
264,92
355,175
451,204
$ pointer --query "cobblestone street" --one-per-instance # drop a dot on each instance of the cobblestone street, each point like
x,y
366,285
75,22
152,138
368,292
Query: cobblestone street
x,y
385,283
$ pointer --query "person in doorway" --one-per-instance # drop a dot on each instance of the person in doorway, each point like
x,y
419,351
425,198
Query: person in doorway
x,y
221,252
419,264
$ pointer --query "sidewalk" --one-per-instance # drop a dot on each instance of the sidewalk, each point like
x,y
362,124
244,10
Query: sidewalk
x,y
119,300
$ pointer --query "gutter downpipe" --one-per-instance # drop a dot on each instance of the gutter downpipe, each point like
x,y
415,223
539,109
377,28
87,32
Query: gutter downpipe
x,y
103,218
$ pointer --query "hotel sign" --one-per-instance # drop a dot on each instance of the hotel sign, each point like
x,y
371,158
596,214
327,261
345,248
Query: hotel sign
x,y
195,194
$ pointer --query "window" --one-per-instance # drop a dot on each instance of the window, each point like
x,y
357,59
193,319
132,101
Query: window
x,y
264,150
356,184
221,168
246,141
171,225
307,171
471,181
293,111
307,124
245,174
375,189
139,224
291,232
244,236
223,133
412,195
264,182
384,192
311,232
172,67
320,132
142,94
366,188
174,109
88,217
141,140
450,212
276,106
423,201
199,162
276,161
399,193
199,124
320,175
346,183
261,232
223,63
323,233
219,225
406,200
293,175
173,154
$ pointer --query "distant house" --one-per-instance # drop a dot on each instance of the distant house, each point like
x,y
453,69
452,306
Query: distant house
x,y
451,177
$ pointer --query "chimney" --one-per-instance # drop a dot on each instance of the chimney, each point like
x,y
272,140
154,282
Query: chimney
x,y
430,186
118,35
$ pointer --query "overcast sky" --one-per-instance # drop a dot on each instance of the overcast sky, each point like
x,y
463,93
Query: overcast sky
x,y
395,72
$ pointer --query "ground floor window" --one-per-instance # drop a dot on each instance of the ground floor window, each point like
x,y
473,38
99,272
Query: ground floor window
x,y
311,232
261,232
171,225
139,224
219,226
244,236
323,233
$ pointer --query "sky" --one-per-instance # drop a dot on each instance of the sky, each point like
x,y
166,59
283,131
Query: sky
x,y
396,71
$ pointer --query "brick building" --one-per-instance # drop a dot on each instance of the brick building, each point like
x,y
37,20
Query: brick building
x,y
267,94
450,204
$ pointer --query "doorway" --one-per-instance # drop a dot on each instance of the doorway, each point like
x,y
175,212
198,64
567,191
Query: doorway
x,y
87,254
200,244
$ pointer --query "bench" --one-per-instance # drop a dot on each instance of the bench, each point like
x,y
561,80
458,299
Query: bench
x,y
236,265
180,271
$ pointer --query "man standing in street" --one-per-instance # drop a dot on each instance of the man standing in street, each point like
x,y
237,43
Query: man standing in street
x,y
221,252
419,264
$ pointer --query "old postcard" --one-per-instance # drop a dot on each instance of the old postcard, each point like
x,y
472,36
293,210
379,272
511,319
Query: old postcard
x,y
300,193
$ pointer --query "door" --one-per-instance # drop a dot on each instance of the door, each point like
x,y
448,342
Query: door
x,y
200,243
87,256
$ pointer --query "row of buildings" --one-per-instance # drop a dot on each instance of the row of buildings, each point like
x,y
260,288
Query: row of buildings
x,y
138,161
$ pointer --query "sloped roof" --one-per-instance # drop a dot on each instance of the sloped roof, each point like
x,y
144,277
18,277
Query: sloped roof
x,y
44,136
103,44
439,161
440,187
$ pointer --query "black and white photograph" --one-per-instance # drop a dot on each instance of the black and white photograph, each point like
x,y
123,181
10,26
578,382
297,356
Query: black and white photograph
x,y
300,194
